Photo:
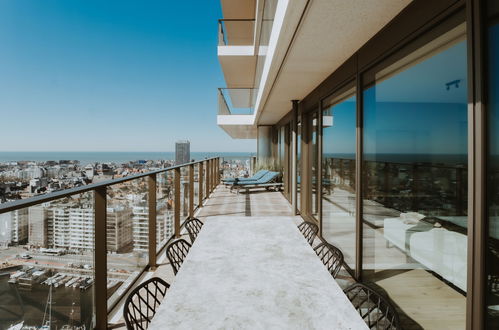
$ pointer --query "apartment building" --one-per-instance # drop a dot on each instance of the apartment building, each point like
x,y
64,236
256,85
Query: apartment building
x,y
58,232
182,152
383,118
71,227
140,216
119,229
14,227
38,226
81,229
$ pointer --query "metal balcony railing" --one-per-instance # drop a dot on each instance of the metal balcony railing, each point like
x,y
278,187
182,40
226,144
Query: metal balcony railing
x,y
236,101
236,32
96,217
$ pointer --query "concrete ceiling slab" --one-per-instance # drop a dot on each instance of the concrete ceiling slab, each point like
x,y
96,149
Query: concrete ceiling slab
x,y
240,131
330,32
238,8
239,71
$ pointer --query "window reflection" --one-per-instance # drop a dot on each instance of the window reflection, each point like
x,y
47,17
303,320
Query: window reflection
x,y
314,163
415,183
338,173
298,167
492,313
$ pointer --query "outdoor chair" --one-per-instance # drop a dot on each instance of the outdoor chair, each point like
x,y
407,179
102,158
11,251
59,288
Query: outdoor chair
x,y
176,253
193,227
331,257
258,175
141,304
267,181
309,231
375,310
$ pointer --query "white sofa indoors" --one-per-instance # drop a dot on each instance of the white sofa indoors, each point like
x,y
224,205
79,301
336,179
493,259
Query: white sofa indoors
x,y
438,249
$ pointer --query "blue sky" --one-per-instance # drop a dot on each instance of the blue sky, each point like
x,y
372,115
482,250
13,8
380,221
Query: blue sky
x,y
114,75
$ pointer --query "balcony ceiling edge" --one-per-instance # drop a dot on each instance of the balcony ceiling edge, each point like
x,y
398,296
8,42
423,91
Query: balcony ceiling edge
x,y
304,55
240,131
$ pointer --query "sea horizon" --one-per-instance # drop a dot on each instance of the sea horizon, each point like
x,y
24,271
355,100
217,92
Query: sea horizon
x,y
87,157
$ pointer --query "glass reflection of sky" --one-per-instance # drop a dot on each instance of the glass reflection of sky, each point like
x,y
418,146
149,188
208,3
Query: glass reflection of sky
x,y
494,90
413,112
339,139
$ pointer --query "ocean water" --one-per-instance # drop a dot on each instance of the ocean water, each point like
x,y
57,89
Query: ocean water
x,y
115,156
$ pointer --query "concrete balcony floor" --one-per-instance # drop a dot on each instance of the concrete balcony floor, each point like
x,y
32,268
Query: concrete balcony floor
x,y
222,202
254,203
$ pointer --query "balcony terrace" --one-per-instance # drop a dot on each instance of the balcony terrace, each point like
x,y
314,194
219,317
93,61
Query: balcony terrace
x,y
108,266
223,202
118,245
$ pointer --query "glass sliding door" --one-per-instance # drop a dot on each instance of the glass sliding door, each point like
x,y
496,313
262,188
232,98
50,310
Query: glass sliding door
x,y
338,172
287,162
415,183
492,256
314,159
298,166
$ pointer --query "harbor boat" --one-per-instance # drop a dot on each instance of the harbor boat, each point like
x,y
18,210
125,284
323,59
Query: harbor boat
x,y
15,277
86,284
72,281
38,275
79,282
62,281
17,326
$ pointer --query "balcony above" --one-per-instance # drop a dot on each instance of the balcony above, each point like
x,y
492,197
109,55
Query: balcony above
x,y
236,32
236,101
239,8
235,112
236,51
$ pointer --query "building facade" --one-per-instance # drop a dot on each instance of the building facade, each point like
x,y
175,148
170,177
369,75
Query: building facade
x,y
182,152
382,116
38,226
14,227
119,229
140,229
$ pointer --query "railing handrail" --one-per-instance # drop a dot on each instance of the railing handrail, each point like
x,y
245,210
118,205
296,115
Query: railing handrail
x,y
236,19
236,88
23,203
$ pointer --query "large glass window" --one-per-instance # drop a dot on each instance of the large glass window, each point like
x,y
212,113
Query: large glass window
x,y
492,297
338,173
282,156
415,183
287,163
314,209
298,167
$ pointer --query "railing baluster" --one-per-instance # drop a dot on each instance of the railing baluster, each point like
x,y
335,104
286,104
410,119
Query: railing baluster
x,y
211,175
200,190
100,257
191,191
215,170
218,171
207,179
152,230
214,173
177,203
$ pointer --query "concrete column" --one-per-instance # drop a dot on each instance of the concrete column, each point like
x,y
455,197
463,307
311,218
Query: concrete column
x,y
264,142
